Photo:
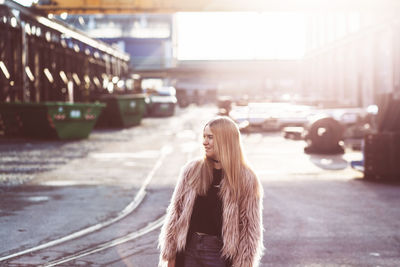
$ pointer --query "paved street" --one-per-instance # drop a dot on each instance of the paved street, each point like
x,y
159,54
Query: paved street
x,y
115,186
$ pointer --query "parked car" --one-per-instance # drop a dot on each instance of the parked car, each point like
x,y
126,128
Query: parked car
x,y
161,102
271,116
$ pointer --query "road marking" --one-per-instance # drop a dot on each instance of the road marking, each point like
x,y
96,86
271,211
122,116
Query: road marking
x,y
147,154
167,149
148,228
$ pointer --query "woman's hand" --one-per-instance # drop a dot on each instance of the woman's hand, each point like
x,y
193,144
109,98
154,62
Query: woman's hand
x,y
171,263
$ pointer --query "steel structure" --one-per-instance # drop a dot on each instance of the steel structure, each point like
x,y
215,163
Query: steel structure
x,y
44,60
171,6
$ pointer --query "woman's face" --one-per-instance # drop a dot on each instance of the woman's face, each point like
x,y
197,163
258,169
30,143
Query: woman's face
x,y
208,142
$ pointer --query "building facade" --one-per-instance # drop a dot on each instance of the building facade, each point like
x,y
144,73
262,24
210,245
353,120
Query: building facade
x,y
351,58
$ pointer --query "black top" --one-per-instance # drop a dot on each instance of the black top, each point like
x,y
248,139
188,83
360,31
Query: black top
x,y
207,211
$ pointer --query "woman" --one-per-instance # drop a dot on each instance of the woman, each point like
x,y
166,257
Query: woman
x,y
215,215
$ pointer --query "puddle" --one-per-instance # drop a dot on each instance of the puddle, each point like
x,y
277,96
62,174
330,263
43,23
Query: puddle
x,y
142,154
329,163
131,164
38,198
68,183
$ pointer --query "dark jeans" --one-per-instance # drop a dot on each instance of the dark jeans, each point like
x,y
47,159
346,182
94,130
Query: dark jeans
x,y
204,251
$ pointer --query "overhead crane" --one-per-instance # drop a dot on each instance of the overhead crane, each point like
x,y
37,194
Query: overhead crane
x,y
172,6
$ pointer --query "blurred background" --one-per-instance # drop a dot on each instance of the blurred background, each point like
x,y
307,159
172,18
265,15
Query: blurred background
x,y
335,59
342,52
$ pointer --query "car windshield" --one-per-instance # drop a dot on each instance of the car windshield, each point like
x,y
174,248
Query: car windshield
x,y
166,91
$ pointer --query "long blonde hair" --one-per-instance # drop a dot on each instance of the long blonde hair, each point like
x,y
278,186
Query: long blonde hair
x,y
228,148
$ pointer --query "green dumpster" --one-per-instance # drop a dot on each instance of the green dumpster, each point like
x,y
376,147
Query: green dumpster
x,y
10,120
122,110
58,120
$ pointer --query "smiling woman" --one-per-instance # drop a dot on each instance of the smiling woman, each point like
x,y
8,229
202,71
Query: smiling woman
x,y
240,35
215,214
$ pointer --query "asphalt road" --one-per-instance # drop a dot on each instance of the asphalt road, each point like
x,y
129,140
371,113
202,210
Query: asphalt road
x,y
115,186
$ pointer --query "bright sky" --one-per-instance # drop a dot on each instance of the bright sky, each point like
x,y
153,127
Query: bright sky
x,y
247,35
238,35
25,2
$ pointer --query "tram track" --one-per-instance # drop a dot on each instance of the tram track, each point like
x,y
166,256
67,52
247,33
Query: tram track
x,y
129,229
135,223
115,242
137,200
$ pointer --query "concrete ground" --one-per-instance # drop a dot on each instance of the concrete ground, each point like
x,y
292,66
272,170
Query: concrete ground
x,y
317,210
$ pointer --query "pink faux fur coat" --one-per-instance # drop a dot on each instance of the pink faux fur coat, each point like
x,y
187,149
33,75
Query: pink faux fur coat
x,y
242,220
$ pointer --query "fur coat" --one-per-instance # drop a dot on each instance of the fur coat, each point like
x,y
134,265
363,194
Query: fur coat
x,y
241,219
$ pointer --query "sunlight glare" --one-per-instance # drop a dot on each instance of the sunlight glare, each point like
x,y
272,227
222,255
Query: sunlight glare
x,y
244,35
